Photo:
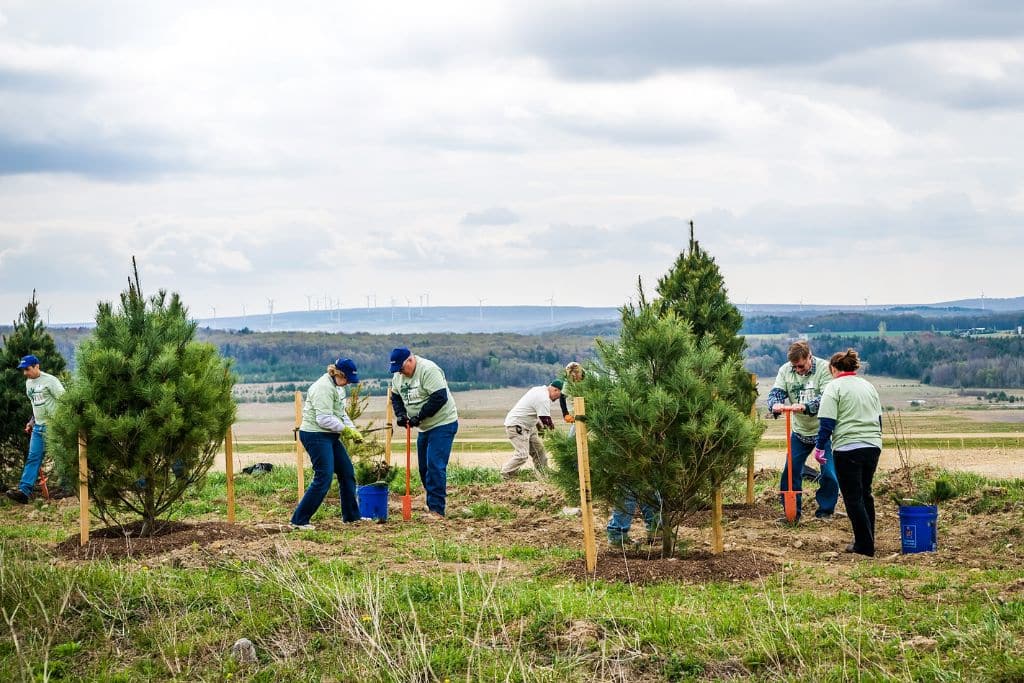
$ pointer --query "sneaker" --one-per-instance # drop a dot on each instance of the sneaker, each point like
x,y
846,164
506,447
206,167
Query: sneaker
x,y
302,527
824,515
17,496
782,521
430,517
621,543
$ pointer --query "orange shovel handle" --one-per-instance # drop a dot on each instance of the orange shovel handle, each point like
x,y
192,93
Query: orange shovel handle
x,y
789,497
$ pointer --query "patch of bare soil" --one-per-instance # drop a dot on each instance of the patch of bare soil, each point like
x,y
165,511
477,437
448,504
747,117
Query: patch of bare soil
x,y
125,542
638,567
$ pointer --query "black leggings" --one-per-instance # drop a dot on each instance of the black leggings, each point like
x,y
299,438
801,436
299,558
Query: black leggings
x,y
855,470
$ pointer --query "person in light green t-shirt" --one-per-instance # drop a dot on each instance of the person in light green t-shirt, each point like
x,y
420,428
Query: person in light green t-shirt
x,y
850,415
801,381
420,397
324,420
43,391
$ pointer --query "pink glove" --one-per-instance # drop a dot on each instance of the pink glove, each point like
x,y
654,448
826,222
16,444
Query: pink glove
x,y
819,455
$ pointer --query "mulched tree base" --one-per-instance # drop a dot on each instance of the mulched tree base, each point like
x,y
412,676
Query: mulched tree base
x,y
124,542
696,567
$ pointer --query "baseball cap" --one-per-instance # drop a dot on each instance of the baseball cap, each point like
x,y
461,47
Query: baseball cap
x,y
347,367
557,384
27,362
399,356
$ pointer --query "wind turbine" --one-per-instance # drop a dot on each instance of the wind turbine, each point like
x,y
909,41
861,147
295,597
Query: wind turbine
x,y
47,316
392,309
551,304
482,308
214,308
408,307
270,305
244,319
309,302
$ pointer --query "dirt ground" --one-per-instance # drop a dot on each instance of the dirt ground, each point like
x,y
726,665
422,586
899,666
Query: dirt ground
x,y
756,545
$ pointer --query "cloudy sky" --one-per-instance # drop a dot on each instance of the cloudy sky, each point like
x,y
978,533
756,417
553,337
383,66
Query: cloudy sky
x,y
827,151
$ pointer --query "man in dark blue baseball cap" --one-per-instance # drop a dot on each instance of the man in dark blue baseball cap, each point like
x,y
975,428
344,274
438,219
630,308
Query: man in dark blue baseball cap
x,y
420,397
43,389
398,358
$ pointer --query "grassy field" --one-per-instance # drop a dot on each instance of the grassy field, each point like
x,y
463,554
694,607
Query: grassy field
x,y
496,591
485,595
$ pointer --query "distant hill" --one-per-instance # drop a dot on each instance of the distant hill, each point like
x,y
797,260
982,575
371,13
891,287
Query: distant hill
x,y
1011,304
584,320
416,319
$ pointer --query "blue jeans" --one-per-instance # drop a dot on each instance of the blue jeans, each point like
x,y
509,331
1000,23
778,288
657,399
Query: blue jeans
x,y
828,484
36,451
622,519
433,448
328,456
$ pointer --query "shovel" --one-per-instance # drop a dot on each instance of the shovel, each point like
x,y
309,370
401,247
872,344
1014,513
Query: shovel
x,y
407,498
789,497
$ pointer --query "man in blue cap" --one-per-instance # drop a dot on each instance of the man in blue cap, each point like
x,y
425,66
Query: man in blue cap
x,y
420,397
43,390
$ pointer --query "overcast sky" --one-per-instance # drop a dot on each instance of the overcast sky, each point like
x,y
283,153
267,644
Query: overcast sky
x,y
827,151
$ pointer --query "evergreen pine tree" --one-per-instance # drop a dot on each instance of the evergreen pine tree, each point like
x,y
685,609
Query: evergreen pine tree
x,y
694,289
29,337
154,404
662,417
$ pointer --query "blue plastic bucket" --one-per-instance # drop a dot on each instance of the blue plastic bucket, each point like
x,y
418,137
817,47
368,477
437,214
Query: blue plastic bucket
x,y
919,528
373,501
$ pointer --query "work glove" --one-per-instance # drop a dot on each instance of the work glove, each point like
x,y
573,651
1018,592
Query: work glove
x,y
352,435
569,419
819,455
414,421
403,421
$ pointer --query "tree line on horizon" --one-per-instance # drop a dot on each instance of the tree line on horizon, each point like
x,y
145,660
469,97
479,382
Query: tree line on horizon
x,y
496,360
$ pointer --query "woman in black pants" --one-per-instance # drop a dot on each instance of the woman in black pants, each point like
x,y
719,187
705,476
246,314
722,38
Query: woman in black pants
x,y
851,414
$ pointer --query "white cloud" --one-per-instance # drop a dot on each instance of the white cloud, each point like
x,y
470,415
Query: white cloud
x,y
498,150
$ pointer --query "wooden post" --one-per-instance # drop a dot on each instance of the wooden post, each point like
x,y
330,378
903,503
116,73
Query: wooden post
x,y
229,472
586,502
750,460
389,424
83,489
717,535
300,466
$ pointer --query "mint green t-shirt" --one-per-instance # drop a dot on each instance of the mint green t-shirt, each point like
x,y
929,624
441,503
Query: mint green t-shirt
x,y
853,403
42,393
804,388
426,379
323,398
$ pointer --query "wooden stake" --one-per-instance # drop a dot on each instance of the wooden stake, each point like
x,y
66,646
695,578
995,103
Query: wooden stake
x,y
586,502
300,465
83,489
717,534
750,460
229,472
389,424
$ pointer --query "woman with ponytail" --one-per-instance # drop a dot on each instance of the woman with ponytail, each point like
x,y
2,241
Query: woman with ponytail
x,y
324,420
850,414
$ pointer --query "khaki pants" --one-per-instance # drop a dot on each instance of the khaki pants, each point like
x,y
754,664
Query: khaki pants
x,y
527,443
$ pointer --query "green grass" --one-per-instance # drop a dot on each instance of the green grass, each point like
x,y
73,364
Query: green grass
x,y
330,619
439,608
